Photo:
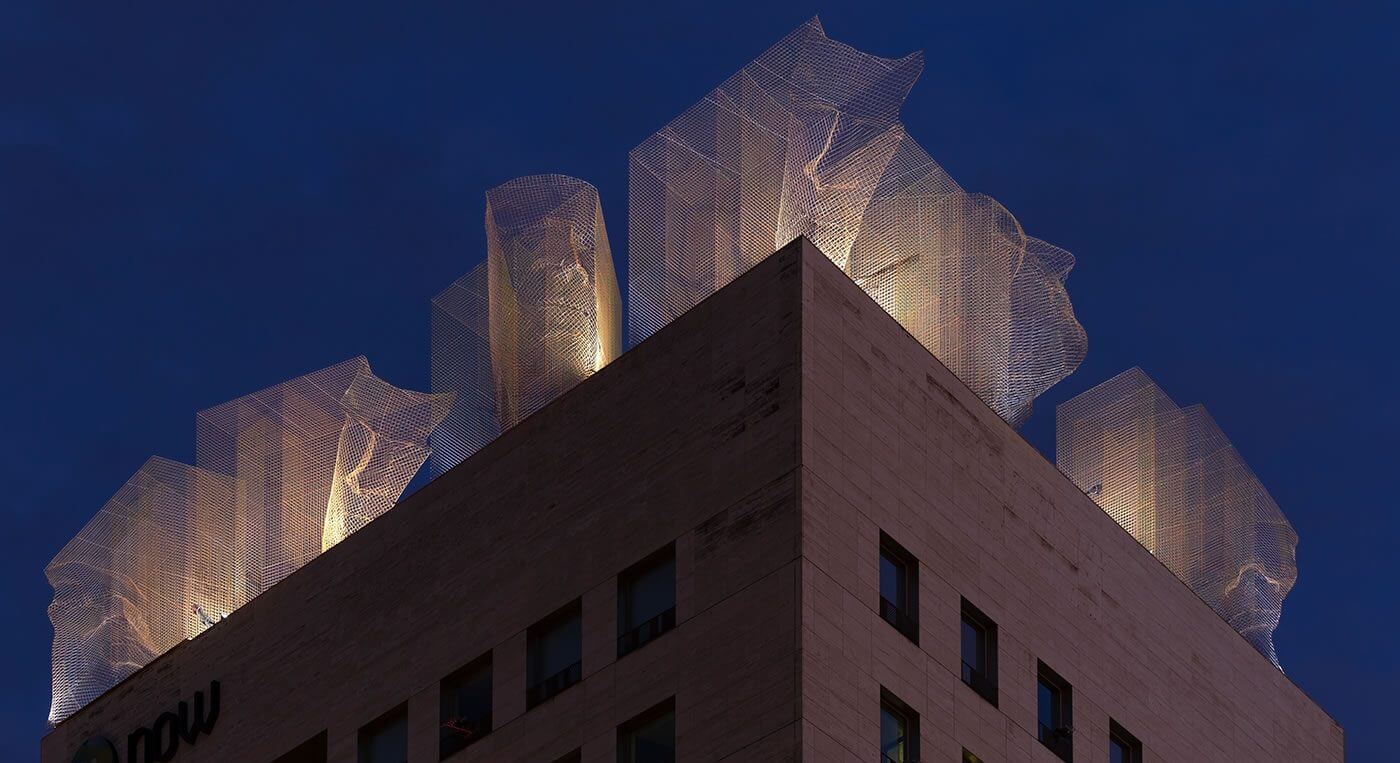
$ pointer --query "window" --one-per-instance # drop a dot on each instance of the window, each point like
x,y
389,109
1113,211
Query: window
x,y
1053,705
646,600
312,750
650,737
899,731
385,740
1122,746
899,588
979,652
573,756
464,707
555,649
968,757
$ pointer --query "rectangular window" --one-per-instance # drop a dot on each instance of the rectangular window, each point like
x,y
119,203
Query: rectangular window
x,y
650,737
646,600
312,750
1122,746
464,707
555,652
979,652
899,585
1053,709
899,731
385,739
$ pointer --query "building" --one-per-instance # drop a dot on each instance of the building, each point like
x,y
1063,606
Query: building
x,y
776,530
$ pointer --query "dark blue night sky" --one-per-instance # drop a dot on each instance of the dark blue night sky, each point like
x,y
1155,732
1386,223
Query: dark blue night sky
x,y
196,204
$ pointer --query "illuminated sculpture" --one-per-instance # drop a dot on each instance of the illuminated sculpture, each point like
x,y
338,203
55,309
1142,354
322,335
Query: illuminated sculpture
x,y
150,570
806,140
283,474
541,314
1170,477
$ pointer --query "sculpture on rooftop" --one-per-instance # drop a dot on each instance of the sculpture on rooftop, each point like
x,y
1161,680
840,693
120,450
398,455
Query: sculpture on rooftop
x,y
541,314
1172,479
806,141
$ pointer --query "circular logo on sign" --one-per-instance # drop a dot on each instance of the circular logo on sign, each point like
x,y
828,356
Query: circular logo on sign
x,y
96,750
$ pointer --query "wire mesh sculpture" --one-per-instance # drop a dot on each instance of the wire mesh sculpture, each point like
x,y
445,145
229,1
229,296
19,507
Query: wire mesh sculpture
x,y
806,140
1172,479
283,474
541,314
150,570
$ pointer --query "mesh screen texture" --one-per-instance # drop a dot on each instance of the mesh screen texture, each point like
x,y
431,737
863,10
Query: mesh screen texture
x,y
1170,477
283,474
806,141
541,314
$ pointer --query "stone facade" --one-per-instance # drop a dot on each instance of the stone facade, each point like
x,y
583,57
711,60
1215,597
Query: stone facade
x,y
771,433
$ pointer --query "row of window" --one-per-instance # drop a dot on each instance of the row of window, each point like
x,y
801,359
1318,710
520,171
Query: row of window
x,y
1054,696
646,609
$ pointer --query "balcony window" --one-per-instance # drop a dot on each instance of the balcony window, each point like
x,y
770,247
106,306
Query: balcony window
x,y
1053,709
899,730
899,588
646,601
979,652
650,737
464,707
1122,746
385,740
555,649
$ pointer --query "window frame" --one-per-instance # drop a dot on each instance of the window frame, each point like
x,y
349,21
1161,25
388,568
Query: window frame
x,y
1059,739
626,730
984,682
1118,734
541,689
446,744
633,636
398,713
903,616
897,707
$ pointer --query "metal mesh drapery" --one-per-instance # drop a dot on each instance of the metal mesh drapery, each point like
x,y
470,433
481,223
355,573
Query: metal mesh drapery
x,y
1170,477
806,140
283,473
541,314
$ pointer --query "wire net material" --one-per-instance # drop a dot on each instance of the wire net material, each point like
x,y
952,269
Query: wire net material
x,y
150,570
806,141
541,314
1170,477
283,474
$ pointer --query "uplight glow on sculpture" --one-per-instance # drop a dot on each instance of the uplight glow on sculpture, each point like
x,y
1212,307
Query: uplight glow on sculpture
x,y
1170,477
806,141
283,474
541,314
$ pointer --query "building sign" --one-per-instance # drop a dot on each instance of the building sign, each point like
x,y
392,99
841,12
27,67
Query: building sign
x,y
160,742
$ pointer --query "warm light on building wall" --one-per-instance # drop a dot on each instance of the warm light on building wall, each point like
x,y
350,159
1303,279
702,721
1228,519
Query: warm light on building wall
x,y
541,314
283,473
1170,477
806,141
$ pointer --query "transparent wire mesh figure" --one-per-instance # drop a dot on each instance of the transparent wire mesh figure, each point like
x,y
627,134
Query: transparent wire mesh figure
x,y
541,314
806,140
1170,477
283,474
150,570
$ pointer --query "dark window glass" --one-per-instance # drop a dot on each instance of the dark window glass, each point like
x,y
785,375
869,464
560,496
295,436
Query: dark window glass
x,y
574,756
898,731
555,647
650,737
979,652
386,739
968,757
312,750
1053,713
1122,746
464,707
646,601
898,588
